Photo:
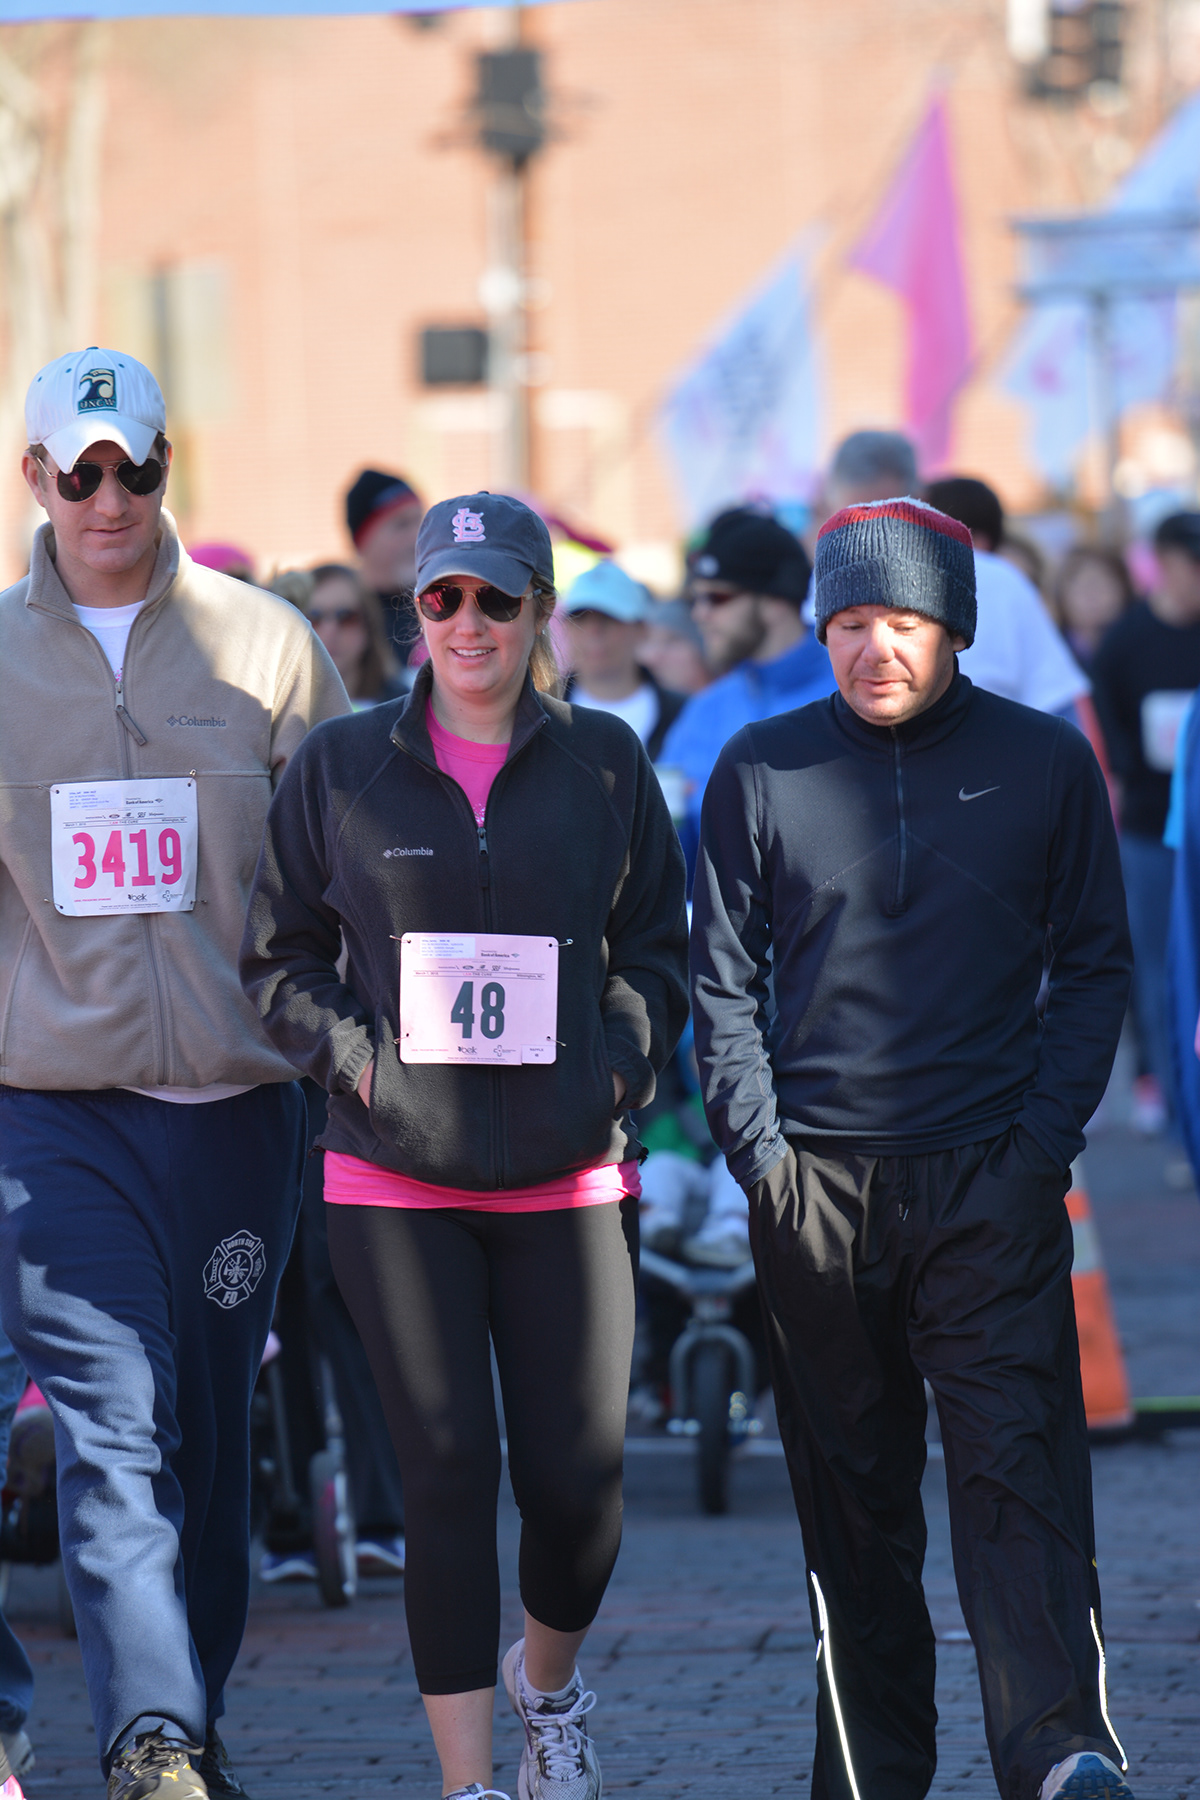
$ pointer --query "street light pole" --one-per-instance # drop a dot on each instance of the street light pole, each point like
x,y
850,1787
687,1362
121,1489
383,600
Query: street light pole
x,y
504,298
509,107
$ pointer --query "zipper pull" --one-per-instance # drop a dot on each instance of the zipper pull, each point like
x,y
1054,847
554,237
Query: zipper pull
x,y
127,720
485,879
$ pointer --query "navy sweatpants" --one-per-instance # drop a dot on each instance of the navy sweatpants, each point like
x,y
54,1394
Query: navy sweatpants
x,y
141,1243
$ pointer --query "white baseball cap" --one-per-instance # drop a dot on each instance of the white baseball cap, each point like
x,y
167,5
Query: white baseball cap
x,y
605,588
92,395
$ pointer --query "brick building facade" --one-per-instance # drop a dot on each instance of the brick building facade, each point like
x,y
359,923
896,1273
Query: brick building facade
x,y
270,211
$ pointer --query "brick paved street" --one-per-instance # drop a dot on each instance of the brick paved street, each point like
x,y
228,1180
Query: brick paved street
x,y
702,1656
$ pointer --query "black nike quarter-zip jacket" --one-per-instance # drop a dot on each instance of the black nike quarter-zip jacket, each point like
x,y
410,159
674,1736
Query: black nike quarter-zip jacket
x,y
872,913
367,839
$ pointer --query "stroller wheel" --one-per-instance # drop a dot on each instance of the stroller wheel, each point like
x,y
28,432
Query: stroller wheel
x,y
66,1612
333,1529
712,1384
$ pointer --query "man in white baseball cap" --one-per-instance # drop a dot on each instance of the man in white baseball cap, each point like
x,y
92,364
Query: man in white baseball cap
x,y
150,1135
92,394
606,612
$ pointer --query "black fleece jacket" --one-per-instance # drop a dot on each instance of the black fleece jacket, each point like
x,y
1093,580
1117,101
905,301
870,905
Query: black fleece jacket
x,y
367,839
901,885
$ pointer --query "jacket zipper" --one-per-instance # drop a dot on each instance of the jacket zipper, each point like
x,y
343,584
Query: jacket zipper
x,y
133,730
900,892
495,1102
495,1095
485,871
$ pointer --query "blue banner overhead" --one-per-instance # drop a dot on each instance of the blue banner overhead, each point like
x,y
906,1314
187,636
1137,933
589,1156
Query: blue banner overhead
x,y
24,12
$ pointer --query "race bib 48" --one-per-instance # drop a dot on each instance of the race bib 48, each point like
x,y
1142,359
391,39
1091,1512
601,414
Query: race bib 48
x,y
487,999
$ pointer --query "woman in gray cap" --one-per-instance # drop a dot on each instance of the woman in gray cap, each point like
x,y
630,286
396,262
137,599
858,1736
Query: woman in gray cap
x,y
503,874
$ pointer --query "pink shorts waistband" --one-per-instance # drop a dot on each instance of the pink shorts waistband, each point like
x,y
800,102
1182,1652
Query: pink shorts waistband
x,y
350,1181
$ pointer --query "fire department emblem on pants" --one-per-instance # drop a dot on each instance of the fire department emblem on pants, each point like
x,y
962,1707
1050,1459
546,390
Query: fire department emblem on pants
x,y
235,1268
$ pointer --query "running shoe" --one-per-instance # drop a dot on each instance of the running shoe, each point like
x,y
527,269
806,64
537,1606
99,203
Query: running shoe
x,y
288,1565
475,1792
1085,1776
19,1751
380,1555
217,1770
559,1761
153,1765
10,1787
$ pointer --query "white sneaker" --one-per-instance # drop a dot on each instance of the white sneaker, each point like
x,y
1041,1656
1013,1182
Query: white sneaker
x,y
559,1760
19,1751
1085,1776
475,1792
380,1555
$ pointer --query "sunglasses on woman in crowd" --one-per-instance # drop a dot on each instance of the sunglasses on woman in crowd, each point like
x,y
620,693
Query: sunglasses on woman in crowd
x,y
81,482
337,615
442,602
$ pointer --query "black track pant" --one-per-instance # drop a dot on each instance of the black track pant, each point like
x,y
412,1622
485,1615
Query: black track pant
x,y
555,1290
955,1267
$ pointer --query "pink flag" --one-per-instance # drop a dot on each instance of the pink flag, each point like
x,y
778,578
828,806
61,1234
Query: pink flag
x,y
912,246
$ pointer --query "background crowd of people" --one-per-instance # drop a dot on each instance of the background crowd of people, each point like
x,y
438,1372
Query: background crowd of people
x,y
1106,635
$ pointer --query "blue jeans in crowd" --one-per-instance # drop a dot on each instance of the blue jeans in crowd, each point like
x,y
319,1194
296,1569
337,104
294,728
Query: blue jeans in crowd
x,y
141,1244
1149,870
16,1676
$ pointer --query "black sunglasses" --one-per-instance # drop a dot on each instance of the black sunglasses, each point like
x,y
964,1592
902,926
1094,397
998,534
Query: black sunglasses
x,y
81,482
716,596
340,615
441,603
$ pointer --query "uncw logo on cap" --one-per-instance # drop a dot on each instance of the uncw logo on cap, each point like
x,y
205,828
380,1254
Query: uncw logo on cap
x,y
100,391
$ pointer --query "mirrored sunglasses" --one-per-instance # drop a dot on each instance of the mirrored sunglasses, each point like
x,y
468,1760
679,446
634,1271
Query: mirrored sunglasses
x,y
81,482
442,602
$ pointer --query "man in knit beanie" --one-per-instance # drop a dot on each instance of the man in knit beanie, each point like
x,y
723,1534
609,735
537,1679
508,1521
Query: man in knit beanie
x,y
383,516
880,875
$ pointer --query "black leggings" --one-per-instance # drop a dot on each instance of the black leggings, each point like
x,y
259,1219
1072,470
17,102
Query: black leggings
x,y
556,1292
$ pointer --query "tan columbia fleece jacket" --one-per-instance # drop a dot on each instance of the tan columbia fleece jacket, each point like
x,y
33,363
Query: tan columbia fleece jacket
x,y
221,681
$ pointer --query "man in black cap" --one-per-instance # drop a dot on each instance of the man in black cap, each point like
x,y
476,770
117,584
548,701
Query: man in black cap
x,y
747,578
383,515
1144,674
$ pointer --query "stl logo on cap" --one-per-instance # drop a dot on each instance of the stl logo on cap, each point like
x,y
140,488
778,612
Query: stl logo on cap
x,y
101,391
468,526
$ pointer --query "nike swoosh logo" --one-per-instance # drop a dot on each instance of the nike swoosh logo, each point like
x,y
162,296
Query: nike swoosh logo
x,y
963,794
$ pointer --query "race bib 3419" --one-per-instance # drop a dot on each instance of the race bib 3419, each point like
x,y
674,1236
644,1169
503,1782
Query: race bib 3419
x,y
124,846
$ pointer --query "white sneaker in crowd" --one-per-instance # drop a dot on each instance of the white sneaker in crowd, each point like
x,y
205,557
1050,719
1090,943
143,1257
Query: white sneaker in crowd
x,y
288,1565
19,1752
559,1760
380,1555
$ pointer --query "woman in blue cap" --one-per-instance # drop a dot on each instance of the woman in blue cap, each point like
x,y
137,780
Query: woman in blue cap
x,y
502,872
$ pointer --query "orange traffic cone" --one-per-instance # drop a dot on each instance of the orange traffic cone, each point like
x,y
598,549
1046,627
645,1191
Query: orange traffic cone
x,y
1105,1381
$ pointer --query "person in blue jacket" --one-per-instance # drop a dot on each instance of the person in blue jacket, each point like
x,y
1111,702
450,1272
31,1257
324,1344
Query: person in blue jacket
x,y
748,578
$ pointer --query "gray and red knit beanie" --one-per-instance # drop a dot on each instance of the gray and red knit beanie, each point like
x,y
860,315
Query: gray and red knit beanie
x,y
898,553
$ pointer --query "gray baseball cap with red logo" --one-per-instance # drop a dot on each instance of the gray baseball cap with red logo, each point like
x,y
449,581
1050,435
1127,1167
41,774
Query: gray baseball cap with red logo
x,y
490,536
